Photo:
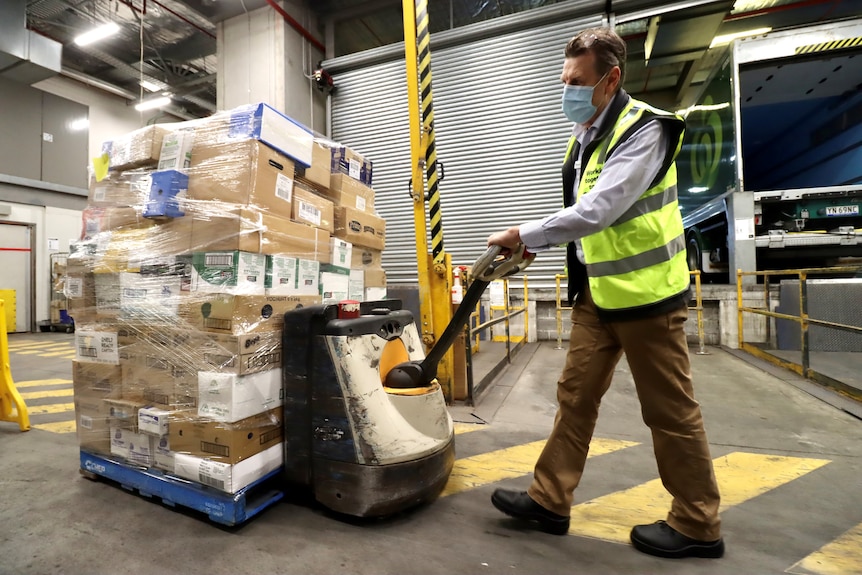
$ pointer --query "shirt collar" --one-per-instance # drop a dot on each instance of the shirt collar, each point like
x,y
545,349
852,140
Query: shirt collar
x,y
580,132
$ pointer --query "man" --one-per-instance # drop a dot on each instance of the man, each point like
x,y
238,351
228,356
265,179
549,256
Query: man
x,y
630,282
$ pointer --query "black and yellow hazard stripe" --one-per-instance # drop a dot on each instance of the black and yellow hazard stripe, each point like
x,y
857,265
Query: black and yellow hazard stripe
x,y
833,45
423,40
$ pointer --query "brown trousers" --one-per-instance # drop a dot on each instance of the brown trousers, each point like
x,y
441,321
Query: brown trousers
x,y
657,353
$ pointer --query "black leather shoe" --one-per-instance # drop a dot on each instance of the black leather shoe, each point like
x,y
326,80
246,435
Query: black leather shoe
x,y
519,505
662,540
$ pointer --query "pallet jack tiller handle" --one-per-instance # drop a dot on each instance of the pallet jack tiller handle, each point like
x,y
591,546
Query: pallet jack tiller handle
x,y
490,266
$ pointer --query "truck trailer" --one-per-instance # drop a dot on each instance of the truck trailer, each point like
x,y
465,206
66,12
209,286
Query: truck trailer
x,y
770,171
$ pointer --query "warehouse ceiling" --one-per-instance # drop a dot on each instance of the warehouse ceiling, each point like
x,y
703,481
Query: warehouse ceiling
x,y
170,45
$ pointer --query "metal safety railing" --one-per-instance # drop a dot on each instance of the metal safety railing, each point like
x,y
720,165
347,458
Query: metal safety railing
x,y
802,368
474,329
698,308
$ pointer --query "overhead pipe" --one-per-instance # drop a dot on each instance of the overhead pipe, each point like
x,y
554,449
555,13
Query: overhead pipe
x,y
166,9
296,26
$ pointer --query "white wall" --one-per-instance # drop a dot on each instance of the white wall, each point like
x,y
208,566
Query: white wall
x,y
110,115
62,224
261,58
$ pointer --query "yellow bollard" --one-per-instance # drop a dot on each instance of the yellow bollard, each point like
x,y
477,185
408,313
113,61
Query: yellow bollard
x,y
9,396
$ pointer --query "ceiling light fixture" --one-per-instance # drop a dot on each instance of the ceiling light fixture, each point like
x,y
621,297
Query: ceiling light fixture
x,y
727,38
149,86
151,104
96,34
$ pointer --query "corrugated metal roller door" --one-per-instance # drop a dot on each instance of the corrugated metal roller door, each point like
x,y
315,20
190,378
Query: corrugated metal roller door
x,y
500,134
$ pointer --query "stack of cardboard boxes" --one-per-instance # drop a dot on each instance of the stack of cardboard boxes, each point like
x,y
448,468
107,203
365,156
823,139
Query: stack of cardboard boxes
x,y
196,240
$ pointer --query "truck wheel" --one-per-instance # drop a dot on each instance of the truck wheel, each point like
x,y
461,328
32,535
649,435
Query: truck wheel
x,y
693,255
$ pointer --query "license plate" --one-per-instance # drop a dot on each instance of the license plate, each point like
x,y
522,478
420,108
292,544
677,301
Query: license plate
x,y
842,210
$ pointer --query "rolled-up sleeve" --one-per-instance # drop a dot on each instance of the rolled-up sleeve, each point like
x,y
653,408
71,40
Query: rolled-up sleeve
x,y
625,176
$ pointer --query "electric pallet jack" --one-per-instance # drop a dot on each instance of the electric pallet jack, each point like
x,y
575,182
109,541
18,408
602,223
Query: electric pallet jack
x,y
366,425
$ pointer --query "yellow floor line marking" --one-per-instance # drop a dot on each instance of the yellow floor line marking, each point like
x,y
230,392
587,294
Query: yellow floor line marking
x,y
51,393
36,351
63,353
38,382
58,426
461,428
838,557
741,476
38,346
51,408
485,468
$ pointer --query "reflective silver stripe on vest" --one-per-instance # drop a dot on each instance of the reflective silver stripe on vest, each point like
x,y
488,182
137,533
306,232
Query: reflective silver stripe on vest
x,y
639,261
649,204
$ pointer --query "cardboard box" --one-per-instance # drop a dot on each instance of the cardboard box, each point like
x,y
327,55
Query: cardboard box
x,y
97,347
96,380
229,397
255,232
375,277
349,162
226,477
246,173
123,412
311,209
91,417
161,383
319,171
135,296
356,287
135,447
236,315
136,149
120,189
242,354
360,228
227,442
163,457
154,420
345,191
265,123
341,253
363,258
98,220
239,273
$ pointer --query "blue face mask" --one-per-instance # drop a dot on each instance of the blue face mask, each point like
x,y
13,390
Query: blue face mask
x,y
578,102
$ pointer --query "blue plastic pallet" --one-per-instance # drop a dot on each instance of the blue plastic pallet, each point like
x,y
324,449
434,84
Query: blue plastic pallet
x,y
224,508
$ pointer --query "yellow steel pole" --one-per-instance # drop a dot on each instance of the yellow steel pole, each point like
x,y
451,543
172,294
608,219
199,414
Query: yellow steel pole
x,y
9,396
434,269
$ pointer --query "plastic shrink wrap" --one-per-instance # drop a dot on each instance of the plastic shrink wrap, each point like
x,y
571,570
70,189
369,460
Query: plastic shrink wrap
x,y
197,238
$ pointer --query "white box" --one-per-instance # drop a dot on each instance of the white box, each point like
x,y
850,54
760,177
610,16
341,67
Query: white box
x,y
375,293
340,252
136,447
281,275
226,477
334,286
236,273
153,421
356,286
264,123
229,397
97,347
164,457
307,277
176,152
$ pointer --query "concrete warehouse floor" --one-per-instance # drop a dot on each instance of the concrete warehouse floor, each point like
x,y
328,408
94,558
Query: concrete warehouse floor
x,y
788,465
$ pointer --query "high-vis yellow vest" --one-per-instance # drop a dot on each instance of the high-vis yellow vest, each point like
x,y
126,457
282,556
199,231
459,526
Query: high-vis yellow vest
x,y
639,261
